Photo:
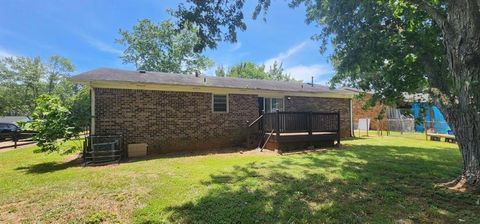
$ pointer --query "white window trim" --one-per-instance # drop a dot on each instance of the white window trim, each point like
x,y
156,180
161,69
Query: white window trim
x,y
213,103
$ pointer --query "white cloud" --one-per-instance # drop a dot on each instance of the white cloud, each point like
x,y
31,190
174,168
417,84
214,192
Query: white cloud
x,y
320,72
100,45
5,53
280,58
236,46
305,72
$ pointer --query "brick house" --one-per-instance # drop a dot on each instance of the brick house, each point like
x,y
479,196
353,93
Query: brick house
x,y
173,112
372,113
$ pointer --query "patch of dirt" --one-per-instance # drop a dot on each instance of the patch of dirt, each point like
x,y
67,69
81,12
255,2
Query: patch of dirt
x,y
231,152
8,212
459,185
75,205
404,221
258,151
75,158
225,151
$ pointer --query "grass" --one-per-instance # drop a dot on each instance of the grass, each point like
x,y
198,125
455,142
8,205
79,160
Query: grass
x,y
374,180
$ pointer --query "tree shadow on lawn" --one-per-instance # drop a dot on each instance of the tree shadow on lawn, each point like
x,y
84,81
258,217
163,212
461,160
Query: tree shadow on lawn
x,y
188,153
369,184
48,167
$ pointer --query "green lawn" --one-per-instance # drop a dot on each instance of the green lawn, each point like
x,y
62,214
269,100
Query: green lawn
x,y
372,180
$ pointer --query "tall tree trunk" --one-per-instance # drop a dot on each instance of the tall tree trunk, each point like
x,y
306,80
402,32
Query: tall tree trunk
x,y
461,32
464,119
52,79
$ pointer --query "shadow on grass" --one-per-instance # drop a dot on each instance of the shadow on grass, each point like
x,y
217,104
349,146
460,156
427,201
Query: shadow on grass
x,y
187,153
368,183
354,138
48,167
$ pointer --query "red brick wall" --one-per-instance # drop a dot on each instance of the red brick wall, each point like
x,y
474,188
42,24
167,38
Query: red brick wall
x,y
296,103
175,121
172,121
371,113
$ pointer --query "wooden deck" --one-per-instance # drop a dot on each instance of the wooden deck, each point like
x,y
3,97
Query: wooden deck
x,y
290,130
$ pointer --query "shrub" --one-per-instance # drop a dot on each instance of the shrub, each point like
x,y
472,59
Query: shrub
x,y
51,122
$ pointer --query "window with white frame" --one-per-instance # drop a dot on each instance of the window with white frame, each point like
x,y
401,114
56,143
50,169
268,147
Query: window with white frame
x,y
273,104
220,103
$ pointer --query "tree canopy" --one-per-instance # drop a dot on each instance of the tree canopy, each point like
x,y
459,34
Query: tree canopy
x,y
247,70
59,108
51,123
386,47
24,79
163,47
276,72
250,70
390,47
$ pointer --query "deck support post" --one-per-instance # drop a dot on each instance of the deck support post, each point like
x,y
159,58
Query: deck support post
x,y
278,125
309,119
309,126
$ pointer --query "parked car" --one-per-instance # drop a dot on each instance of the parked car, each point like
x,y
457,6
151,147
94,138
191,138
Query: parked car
x,y
10,130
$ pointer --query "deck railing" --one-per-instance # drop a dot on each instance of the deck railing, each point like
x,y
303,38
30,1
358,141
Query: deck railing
x,y
287,122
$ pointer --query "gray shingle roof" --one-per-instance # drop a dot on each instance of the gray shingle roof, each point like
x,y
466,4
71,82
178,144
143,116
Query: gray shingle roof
x,y
117,75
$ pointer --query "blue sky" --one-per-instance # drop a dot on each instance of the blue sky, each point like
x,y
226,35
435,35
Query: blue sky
x,y
85,31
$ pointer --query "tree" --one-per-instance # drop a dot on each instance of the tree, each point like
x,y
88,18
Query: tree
x,y
390,47
163,48
276,72
21,83
24,79
54,120
58,68
220,72
51,122
247,70
80,110
250,70
59,108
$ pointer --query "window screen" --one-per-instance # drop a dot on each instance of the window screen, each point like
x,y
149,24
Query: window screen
x,y
273,104
277,104
220,103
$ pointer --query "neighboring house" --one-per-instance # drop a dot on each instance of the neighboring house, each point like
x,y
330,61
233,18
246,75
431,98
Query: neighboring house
x,y
371,113
172,112
402,118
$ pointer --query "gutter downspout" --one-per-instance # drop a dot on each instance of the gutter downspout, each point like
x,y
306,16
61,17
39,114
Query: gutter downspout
x,y
351,119
92,112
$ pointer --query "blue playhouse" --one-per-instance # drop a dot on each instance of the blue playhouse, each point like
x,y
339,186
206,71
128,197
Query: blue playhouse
x,y
432,116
